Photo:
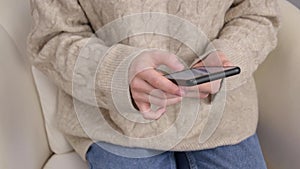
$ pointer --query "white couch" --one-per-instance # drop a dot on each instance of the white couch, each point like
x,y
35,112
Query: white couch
x,y
278,84
28,139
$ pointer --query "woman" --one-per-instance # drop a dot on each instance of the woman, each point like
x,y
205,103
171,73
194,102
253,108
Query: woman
x,y
106,58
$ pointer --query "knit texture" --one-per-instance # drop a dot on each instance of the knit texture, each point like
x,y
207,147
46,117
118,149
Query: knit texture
x,y
89,63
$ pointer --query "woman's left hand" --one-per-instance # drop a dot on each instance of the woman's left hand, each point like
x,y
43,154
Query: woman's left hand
x,y
204,90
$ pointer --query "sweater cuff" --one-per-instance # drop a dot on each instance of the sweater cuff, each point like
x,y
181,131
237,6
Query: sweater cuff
x,y
237,55
113,79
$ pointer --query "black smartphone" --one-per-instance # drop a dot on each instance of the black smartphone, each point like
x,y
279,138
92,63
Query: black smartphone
x,y
199,75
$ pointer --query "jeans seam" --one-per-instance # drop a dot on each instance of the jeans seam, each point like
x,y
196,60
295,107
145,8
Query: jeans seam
x,y
191,160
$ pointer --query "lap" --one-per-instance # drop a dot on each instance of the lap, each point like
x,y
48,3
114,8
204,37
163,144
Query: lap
x,y
107,156
245,155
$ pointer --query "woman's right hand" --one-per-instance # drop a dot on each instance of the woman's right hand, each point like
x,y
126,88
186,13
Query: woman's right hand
x,y
149,87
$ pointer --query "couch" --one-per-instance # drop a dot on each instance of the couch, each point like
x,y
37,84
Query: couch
x,y
29,139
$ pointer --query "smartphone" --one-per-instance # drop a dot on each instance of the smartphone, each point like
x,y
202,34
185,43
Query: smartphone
x,y
199,75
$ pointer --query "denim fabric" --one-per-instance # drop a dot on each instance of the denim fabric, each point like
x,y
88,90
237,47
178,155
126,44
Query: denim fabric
x,y
245,155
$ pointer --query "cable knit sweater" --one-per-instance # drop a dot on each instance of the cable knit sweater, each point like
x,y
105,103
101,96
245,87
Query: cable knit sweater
x,y
86,47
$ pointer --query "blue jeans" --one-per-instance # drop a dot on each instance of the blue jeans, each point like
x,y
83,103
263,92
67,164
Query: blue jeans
x,y
245,155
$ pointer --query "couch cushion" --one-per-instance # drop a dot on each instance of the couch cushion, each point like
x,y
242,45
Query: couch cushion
x,y
48,97
278,84
23,141
66,161
16,20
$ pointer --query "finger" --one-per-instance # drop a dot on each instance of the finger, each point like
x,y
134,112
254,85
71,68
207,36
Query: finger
x,y
143,97
148,114
139,85
204,95
199,64
164,102
214,59
215,86
160,82
143,106
195,94
154,115
227,63
210,87
162,95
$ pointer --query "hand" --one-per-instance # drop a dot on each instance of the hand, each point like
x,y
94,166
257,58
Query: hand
x,y
149,86
204,90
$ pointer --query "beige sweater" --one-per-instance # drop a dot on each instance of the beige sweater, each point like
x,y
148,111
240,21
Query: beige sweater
x,y
92,69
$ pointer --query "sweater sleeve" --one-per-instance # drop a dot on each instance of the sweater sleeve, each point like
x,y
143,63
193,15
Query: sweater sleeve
x,y
248,36
64,47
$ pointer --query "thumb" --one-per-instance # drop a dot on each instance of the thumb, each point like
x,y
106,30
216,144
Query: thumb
x,y
227,63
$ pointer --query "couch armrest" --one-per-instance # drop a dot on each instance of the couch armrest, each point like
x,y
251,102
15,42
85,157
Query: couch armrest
x,y
278,83
23,141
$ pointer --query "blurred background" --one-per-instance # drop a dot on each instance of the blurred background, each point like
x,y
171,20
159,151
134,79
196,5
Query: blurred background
x,y
295,2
